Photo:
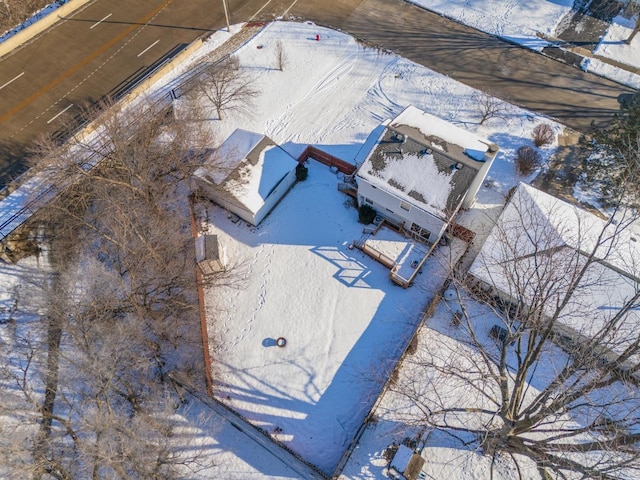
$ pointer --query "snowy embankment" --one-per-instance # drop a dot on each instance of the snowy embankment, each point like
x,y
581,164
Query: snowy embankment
x,y
613,46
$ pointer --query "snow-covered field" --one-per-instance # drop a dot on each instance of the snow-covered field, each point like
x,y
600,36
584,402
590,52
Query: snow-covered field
x,y
518,21
343,319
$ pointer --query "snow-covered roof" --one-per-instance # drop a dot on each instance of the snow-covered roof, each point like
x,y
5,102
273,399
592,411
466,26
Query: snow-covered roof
x,y
440,134
426,161
534,227
555,223
248,166
401,459
407,462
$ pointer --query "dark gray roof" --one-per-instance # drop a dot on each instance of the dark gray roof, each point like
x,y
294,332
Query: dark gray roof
x,y
392,144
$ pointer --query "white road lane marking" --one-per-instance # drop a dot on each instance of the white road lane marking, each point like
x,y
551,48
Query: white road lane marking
x,y
12,80
99,22
53,118
148,48
290,7
261,8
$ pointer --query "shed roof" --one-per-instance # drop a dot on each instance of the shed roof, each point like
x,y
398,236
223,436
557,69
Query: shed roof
x,y
207,248
248,166
407,462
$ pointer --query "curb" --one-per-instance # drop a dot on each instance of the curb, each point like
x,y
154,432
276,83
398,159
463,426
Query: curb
x,y
36,28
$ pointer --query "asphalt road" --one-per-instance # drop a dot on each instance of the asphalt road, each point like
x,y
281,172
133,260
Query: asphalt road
x,y
84,57
97,49
505,70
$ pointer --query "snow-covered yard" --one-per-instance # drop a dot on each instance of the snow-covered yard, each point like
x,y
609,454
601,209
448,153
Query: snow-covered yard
x,y
516,20
344,321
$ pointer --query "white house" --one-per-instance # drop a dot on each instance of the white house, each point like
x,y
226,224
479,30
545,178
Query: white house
x,y
421,171
540,237
247,175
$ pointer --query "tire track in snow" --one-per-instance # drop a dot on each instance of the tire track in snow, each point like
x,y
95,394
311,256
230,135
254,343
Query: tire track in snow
x,y
276,126
354,77
390,107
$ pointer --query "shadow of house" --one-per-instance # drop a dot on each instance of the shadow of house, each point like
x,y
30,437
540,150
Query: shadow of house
x,y
421,171
247,175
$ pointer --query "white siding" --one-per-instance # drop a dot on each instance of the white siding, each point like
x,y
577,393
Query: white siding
x,y
254,218
390,206
470,196
275,196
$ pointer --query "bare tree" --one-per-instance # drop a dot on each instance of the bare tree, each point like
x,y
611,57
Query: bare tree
x,y
228,87
551,382
527,160
488,107
121,313
543,134
281,56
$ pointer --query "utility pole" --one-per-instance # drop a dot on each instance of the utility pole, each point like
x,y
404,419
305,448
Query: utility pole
x,y
226,15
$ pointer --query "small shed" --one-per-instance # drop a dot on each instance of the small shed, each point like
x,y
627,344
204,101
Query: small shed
x,y
406,464
208,255
247,175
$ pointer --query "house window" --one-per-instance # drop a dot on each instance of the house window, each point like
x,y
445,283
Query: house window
x,y
422,232
405,206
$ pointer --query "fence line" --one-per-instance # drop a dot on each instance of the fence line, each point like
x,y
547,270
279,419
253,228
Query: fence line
x,y
327,159
201,306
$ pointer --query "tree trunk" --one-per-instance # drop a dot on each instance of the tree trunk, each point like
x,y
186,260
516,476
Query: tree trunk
x,y
635,31
54,336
